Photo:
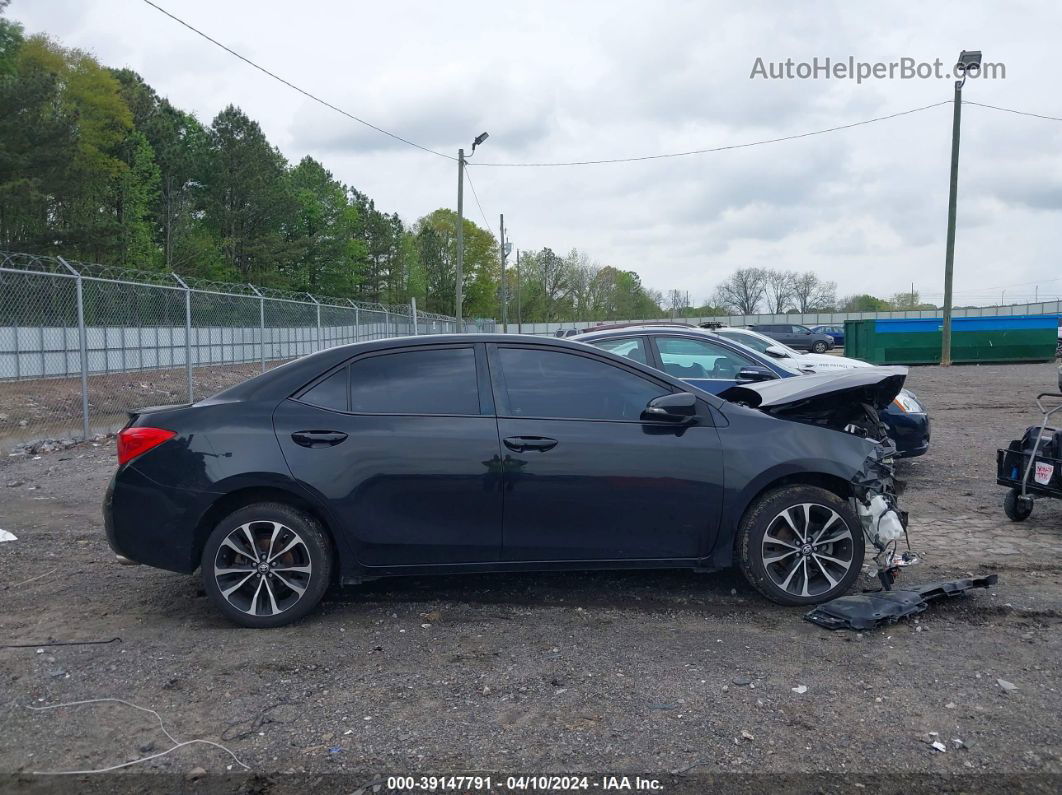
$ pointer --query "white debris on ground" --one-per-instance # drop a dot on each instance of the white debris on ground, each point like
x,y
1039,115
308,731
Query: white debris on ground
x,y
6,536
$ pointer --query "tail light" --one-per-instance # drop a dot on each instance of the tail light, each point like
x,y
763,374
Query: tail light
x,y
133,442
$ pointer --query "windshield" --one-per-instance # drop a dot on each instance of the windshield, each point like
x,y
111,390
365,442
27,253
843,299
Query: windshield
x,y
755,340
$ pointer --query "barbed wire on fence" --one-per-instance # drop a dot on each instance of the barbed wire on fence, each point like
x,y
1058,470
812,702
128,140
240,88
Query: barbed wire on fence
x,y
82,343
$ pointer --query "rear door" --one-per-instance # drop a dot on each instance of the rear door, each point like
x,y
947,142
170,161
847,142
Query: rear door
x,y
402,445
585,478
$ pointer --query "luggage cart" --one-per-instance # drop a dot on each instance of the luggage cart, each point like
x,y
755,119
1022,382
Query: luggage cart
x,y
1032,470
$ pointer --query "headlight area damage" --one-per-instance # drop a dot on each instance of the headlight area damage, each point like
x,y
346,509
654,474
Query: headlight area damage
x,y
849,401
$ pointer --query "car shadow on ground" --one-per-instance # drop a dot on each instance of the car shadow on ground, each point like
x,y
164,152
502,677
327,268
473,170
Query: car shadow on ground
x,y
648,590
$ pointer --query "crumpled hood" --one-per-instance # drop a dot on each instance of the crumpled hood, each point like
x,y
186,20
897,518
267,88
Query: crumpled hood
x,y
875,385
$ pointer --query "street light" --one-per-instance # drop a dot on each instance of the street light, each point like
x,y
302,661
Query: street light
x,y
969,63
461,224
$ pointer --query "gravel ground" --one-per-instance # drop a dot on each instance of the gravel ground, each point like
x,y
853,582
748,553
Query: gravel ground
x,y
680,677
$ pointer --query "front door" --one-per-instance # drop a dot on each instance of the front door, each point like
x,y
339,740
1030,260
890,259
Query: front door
x,y
585,478
404,453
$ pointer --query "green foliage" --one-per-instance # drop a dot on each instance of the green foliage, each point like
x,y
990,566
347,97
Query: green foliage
x,y
95,165
864,303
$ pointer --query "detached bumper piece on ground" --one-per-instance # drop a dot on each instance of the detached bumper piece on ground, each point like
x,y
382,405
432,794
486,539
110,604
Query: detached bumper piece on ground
x,y
870,610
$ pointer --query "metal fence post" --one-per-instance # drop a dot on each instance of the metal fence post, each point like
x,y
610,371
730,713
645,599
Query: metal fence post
x,y
357,321
318,303
387,323
261,324
413,314
187,335
82,334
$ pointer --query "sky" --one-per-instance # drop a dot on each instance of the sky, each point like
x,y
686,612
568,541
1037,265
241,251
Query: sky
x,y
865,207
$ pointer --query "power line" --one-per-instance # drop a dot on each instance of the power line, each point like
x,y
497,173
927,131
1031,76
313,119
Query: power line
x,y
603,161
476,197
1012,110
294,87
715,148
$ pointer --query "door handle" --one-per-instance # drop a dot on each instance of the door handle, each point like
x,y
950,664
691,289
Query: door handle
x,y
520,444
318,438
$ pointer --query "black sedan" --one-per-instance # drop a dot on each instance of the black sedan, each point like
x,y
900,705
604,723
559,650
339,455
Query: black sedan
x,y
474,453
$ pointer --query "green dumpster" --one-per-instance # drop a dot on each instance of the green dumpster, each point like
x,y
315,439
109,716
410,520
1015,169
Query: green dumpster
x,y
1014,338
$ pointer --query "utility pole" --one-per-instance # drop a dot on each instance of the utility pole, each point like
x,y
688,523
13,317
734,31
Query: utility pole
x,y
949,255
460,235
461,228
519,316
504,284
968,61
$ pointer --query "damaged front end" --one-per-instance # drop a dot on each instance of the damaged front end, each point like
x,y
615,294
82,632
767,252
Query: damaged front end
x,y
850,402
884,524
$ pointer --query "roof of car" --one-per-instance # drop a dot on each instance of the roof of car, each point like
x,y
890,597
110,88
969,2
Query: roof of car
x,y
671,328
286,378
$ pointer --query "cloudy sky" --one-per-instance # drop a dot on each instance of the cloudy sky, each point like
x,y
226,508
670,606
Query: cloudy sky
x,y
865,207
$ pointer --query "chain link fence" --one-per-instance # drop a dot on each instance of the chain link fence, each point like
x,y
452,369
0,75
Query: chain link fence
x,y
82,344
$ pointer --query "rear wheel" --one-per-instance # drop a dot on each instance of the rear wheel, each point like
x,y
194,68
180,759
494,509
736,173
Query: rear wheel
x,y
801,545
820,347
267,565
1017,508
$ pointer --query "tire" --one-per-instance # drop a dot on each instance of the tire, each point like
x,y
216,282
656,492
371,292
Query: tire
x,y
820,347
273,596
1015,508
766,562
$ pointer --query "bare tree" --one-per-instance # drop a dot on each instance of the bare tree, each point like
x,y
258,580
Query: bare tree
x,y
778,290
907,300
811,294
675,302
743,291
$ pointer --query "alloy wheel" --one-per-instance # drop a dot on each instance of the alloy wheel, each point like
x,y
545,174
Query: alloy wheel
x,y
807,549
262,568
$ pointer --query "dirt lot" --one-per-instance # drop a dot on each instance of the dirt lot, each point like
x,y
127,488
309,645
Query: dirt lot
x,y
685,678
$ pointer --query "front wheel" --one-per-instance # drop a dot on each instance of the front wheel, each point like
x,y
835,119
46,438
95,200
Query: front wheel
x,y
820,347
800,545
267,565
1017,508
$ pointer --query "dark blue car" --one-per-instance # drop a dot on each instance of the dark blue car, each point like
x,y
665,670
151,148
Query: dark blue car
x,y
497,453
714,364
837,332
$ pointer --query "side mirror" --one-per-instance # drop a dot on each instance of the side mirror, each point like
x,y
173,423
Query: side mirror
x,y
679,407
775,351
747,374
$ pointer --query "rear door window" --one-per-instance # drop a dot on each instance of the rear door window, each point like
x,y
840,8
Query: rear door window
x,y
429,381
331,393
